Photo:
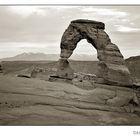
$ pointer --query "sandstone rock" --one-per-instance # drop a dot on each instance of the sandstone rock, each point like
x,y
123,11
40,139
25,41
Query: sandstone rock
x,y
42,73
112,69
37,102
64,69
84,84
114,74
23,75
1,70
84,76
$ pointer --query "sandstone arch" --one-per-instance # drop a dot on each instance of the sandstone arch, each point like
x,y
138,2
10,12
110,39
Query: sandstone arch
x,y
111,67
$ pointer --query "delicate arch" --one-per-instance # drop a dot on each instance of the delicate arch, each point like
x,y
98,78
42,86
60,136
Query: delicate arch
x,y
111,68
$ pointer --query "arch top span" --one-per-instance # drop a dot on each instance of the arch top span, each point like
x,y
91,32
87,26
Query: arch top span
x,y
92,31
111,68
95,24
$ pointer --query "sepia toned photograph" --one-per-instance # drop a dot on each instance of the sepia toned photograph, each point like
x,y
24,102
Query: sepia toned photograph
x,y
69,65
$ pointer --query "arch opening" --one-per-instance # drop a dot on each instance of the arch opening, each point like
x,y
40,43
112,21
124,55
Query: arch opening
x,y
84,51
83,57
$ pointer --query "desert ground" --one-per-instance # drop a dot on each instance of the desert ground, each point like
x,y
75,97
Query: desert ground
x,y
37,101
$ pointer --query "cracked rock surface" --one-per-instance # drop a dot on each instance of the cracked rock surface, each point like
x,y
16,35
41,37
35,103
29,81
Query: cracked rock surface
x,y
36,102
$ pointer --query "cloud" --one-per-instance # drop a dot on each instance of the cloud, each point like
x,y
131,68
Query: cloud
x,y
127,29
26,28
27,10
104,11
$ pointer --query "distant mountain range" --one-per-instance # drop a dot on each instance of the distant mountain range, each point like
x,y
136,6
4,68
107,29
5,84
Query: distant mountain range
x,y
43,56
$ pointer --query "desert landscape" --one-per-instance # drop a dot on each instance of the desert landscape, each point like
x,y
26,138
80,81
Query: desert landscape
x,y
38,101
66,88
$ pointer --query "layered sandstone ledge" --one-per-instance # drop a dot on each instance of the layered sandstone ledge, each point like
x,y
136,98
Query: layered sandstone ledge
x,y
37,102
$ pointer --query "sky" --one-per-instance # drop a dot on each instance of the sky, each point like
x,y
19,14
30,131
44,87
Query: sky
x,y
40,28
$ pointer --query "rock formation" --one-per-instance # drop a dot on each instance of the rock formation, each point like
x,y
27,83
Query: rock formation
x,y
111,67
1,70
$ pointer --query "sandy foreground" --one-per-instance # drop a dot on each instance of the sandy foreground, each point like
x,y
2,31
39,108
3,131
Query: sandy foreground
x,y
26,101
